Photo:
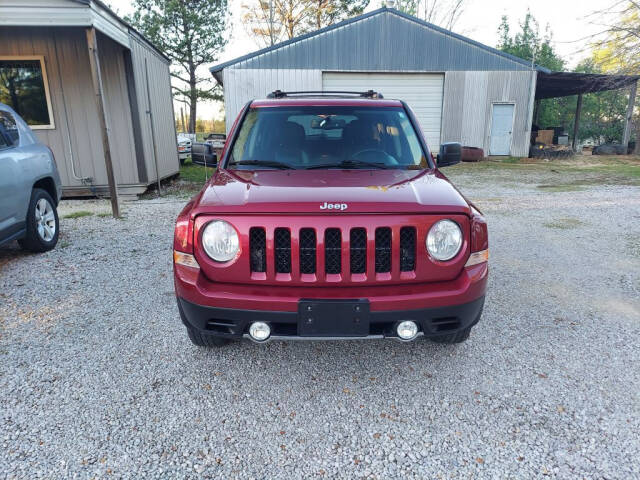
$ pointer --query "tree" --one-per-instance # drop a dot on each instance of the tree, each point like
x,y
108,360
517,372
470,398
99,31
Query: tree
x,y
444,13
271,21
323,13
617,47
603,112
527,43
191,33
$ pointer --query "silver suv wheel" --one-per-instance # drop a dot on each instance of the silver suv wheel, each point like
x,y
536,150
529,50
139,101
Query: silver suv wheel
x,y
45,220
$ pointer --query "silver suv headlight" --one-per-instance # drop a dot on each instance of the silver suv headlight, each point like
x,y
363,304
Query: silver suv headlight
x,y
444,240
220,241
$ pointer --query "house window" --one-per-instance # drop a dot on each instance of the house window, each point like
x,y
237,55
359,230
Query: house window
x,y
24,87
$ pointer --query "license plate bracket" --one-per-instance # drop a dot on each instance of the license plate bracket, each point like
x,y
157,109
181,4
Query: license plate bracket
x,y
333,318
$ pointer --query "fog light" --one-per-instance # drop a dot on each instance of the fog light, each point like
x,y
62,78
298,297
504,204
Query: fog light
x,y
407,330
259,331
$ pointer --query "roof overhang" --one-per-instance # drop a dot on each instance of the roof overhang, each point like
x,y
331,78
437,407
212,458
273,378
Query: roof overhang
x,y
70,13
564,84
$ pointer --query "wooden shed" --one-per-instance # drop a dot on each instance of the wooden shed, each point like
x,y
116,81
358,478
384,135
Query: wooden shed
x,y
57,57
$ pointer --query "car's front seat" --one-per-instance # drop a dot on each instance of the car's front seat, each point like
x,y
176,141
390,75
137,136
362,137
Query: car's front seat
x,y
290,149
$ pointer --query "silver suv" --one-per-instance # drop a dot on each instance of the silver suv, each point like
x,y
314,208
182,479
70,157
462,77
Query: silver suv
x,y
29,186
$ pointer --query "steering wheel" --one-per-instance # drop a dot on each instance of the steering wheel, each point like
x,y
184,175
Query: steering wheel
x,y
387,159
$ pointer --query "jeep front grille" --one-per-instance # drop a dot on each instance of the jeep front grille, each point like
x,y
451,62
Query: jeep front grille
x,y
334,251
283,250
407,249
358,250
307,250
258,247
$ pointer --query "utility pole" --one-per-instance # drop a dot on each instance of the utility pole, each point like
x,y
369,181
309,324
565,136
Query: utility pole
x,y
96,76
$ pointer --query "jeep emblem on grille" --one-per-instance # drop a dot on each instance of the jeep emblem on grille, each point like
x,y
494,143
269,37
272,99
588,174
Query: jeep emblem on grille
x,y
333,206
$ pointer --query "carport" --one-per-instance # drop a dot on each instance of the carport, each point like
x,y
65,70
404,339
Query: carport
x,y
565,84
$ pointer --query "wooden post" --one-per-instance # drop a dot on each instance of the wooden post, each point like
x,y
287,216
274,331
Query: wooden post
x,y
576,124
628,119
96,75
536,114
153,128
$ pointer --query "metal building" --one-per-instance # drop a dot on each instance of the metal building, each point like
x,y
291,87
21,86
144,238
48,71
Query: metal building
x,y
459,89
46,74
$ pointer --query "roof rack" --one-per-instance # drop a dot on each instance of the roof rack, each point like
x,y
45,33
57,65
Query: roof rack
x,y
328,93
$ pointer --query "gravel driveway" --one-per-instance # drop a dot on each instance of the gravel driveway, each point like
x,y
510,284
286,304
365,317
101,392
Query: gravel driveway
x,y
98,377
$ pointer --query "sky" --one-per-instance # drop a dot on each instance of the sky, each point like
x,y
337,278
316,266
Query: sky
x,y
569,20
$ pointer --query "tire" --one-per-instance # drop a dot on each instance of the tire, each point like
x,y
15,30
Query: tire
x,y
43,225
206,340
451,338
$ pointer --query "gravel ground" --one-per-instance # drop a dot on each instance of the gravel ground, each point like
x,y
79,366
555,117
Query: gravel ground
x,y
98,377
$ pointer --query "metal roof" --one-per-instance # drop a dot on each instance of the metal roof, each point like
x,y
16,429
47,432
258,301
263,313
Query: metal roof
x,y
384,39
564,84
72,13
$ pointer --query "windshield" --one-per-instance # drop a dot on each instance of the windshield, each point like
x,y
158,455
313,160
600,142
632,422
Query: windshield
x,y
327,137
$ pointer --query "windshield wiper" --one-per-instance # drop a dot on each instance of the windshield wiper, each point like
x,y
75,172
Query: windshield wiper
x,y
349,164
263,163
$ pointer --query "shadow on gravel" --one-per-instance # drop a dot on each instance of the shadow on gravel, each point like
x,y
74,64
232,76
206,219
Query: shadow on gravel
x,y
11,252
343,362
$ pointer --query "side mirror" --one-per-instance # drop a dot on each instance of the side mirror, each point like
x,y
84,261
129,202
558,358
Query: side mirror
x,y
450,154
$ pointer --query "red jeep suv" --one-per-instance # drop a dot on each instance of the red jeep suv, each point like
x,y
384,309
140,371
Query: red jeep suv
x,y
328,219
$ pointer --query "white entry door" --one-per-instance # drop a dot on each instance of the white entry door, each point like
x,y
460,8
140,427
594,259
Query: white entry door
x,y
501,129
422,91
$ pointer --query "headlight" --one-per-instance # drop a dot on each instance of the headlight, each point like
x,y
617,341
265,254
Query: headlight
x,y
444,240
220,241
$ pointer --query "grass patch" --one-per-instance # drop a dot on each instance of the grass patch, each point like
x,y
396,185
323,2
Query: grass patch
x,y
78,214
571,172
561,188
190,172
565,224
104,215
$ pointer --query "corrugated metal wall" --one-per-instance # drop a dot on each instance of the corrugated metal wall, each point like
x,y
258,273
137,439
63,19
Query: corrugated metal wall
x,y
476,76
162,106
468,100
240,86
466,109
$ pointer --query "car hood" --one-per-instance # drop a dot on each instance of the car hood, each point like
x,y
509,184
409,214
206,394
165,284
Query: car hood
x,y
330,192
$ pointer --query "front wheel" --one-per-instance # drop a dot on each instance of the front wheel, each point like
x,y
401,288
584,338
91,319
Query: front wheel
x,y
451,338
43,224
205,340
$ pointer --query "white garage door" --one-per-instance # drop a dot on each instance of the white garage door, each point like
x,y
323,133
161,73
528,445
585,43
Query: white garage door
x,y
422,92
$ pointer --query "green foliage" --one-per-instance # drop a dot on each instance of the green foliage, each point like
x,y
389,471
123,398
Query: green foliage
x,y
191,33
603,113
529,44
78,214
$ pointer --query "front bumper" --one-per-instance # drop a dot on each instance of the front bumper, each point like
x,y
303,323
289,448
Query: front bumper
x,y
234,323
226,310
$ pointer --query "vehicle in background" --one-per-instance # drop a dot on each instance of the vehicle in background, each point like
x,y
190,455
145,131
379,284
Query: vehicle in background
x,y
216,140
30,187
184,148
327,218
203,154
